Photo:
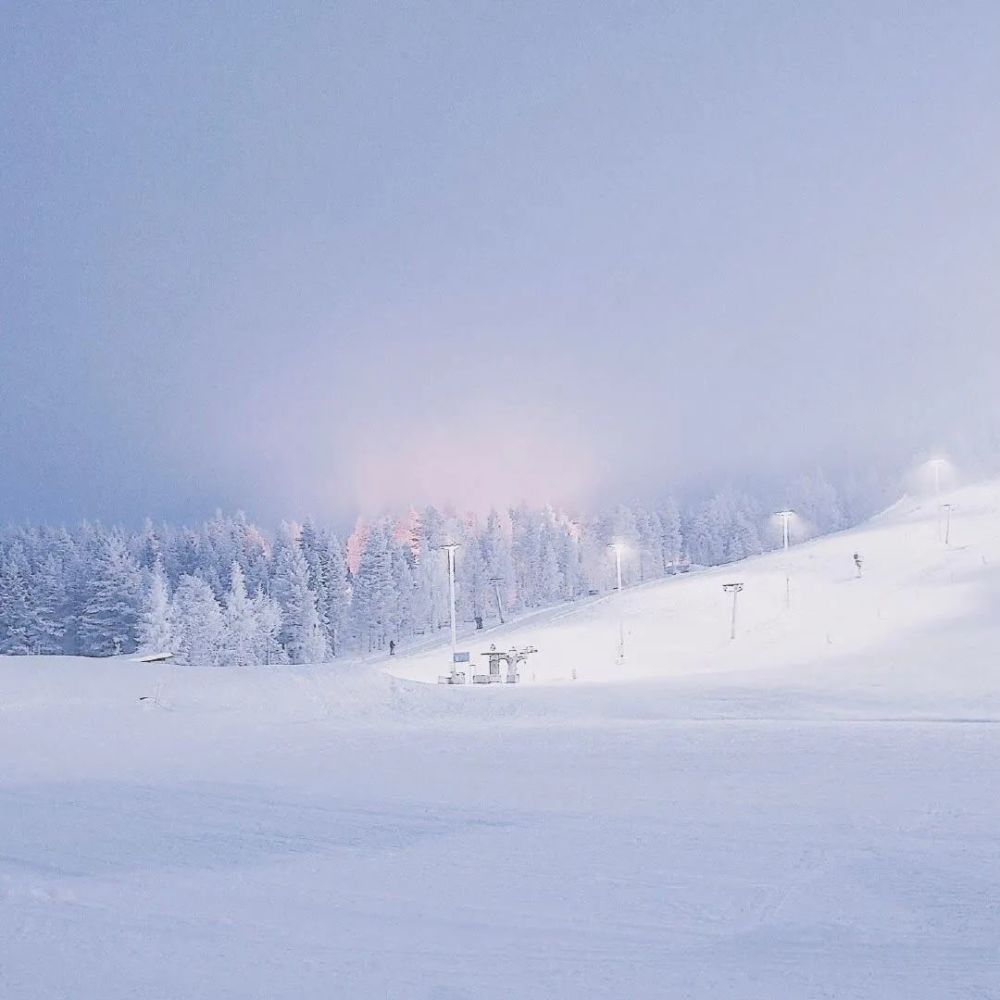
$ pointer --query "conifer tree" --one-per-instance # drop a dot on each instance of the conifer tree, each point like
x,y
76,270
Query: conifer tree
x,y
48,606
109,618
15,613
301,632
240,631
374,589
156,631
198,622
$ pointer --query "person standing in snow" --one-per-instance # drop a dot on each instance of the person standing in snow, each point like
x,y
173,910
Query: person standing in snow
x,y
392,647
857,562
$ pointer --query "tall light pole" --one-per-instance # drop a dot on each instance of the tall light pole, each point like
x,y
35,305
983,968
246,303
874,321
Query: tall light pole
x,y
449,548
617,546
937,464
734,589
786,516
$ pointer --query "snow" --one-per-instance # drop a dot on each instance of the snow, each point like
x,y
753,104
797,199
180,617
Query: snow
x,y
808,811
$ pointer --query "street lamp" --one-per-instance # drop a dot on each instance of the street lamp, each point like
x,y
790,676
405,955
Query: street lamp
x,y
450,548
734,589
786,517
617,546
937,465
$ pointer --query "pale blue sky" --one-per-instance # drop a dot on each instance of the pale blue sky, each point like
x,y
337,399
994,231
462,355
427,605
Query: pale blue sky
x,y
299,257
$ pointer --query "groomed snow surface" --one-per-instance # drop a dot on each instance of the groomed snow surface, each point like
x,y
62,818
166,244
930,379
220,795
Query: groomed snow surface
x,y
811,810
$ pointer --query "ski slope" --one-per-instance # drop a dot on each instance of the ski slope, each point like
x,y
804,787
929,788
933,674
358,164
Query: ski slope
x,y
885,642
808,811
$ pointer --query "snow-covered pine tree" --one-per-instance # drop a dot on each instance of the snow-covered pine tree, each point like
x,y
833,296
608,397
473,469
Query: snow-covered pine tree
x,y
707,535
267,642
109,618
374,589
568,554
240,631
311,543
526,552
156,629
402,618
550,578
338,593
197,621
48,605
301,631
650,534
817,503
499,561
15,611
474,595
146,547
673,537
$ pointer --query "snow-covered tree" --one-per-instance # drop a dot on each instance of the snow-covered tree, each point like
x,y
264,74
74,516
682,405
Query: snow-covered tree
x,y
267,645
375,594
301,630
109,618
337,612
156,629
474,591
15,612
499,561
240,630
817,503
197,621
47,598
673,538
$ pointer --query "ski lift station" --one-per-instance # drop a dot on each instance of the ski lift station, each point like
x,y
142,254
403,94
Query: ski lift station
x,y
503,666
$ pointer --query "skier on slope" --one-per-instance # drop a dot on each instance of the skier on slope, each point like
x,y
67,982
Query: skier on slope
x,y
857,562
392,647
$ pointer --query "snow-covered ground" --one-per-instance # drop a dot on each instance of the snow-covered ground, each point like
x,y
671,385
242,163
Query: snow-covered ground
x,y
808,811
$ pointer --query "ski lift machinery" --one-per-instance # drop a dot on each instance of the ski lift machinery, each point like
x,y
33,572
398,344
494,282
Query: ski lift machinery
x,y
513,657
496,674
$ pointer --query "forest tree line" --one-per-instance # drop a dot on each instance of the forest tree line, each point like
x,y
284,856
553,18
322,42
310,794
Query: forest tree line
x,y
226,593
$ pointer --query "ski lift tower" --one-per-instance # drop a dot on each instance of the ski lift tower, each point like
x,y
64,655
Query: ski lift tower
x,y
496,581
734,589
947,508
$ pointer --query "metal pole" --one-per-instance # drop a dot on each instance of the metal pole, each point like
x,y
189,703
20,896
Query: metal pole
x,y
496,589
451,595
732,631
788,583
621,611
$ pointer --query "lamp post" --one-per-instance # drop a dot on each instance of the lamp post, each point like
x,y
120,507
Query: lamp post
x,y
449,548
937,464
617,546
786,516
734,589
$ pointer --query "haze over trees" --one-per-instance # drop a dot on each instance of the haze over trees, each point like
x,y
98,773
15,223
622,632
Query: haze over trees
x,y
225,593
